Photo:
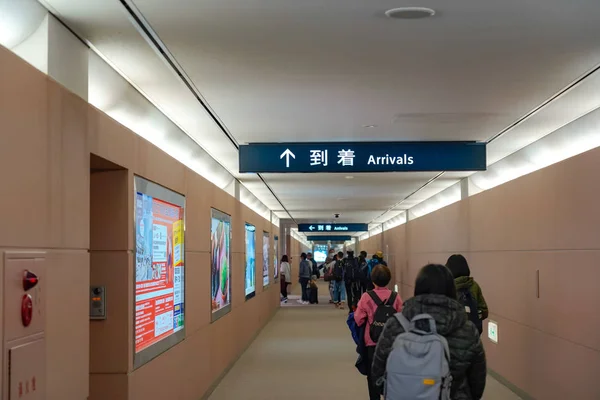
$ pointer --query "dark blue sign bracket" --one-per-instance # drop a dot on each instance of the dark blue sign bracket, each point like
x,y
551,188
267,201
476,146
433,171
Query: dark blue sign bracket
x,y
362,157
337,239
319,227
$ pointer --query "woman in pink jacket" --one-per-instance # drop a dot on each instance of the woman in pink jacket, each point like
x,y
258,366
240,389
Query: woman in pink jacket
x,y
365,313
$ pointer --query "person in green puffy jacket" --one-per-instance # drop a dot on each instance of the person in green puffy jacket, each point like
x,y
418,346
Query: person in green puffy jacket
x,y
459,267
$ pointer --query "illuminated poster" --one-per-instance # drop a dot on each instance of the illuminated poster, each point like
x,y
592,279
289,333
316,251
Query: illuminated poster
x,y
250,288
265,259
220,234
320,252
159,267
275,258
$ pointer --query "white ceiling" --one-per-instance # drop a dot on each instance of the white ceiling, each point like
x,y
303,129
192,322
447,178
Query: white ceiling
x,y
319,70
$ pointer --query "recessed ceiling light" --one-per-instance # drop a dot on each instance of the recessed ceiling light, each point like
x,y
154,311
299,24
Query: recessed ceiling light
x,y
410,13
349,177
369,126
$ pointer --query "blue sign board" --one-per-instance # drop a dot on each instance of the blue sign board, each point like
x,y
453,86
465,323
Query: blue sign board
x,y
362,157
326,238
323,227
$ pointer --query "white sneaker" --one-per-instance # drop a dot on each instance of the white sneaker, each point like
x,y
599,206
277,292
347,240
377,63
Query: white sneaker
x,y
300,301
305,302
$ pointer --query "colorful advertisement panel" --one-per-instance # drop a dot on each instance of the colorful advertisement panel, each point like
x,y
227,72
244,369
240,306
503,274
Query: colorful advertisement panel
x,y
250,289
159,269
320,252
220,234
276,258
265,259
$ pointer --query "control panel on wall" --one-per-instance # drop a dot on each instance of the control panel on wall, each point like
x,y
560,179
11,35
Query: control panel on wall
x,y
97,302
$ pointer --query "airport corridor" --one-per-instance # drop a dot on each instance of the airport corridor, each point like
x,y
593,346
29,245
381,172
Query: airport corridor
x,y
306,352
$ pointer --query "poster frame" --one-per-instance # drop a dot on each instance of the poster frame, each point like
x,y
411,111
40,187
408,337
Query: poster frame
x,y
246,225
162,193
223,216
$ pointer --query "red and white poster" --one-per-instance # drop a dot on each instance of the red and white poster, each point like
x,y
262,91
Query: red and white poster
x,y
159,271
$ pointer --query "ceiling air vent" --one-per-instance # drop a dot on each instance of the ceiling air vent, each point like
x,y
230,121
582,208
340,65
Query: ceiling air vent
x,y
410,13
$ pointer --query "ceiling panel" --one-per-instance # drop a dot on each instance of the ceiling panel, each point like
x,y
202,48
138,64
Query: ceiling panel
x,y
321,70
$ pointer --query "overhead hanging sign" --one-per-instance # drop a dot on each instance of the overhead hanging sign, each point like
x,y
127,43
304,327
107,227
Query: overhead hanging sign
x,y
362,157
321,227
325,238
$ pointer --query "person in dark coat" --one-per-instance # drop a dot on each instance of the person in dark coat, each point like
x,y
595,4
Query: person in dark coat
x,y
435,294
457,264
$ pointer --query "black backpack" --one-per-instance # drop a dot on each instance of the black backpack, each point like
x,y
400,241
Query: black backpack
x,y
352,270
465,297
364,271
384,311
338,271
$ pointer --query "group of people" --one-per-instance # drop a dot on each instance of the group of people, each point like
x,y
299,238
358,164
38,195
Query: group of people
x,y
402,346
308,275
349,277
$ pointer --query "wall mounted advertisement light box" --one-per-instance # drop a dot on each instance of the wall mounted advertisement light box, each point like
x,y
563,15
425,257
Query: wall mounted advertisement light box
x,y
159,270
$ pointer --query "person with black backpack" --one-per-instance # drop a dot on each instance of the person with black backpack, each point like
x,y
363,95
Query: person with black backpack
x,y
365,276
336,276
468,291
433,334
352,280
374,309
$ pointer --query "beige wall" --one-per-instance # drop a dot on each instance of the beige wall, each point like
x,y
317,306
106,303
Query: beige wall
x,y
47,137
547,221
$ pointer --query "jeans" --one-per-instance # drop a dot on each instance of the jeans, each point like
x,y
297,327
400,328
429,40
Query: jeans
x,y
303,286
339,291
374,391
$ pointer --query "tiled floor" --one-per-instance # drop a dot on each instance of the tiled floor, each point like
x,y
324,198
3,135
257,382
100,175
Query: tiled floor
x,y
306,352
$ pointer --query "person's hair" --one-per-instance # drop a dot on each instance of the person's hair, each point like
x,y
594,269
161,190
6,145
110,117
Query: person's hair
x,y
381,275
435,279
457,264
341,254
363,254
284,258
308,254
303,256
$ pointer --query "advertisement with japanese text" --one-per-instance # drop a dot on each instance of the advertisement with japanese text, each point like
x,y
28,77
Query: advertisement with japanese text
x,y
220,234
159,270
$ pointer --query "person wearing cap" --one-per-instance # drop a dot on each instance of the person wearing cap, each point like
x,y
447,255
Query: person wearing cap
x,y
379,256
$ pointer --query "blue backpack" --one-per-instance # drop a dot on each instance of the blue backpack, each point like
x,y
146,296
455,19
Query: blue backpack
x,y
358,335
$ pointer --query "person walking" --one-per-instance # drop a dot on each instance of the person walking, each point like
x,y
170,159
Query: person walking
x,y
352,280
468,291
366,312
285,271
304,275
435,295
339,286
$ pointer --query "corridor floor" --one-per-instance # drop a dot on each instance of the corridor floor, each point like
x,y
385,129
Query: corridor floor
x,y
306,352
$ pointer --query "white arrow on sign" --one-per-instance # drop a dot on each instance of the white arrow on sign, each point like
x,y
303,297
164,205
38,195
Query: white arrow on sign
x,y
311,228
287,154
